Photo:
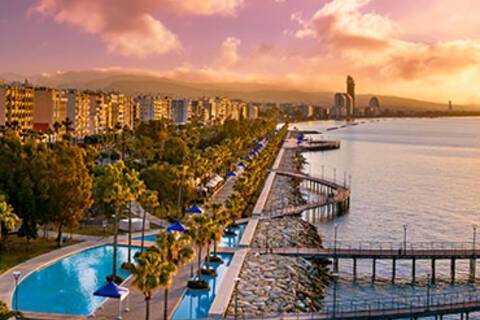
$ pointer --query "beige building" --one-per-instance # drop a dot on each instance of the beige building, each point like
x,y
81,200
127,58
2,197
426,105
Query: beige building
x,y
16,105
50,106
252,111
78,108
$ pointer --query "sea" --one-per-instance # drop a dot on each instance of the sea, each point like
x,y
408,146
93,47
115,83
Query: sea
x,y
413,179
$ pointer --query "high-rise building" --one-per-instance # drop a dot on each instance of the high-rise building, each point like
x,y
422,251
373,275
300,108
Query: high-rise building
x,y
374,107
351,89
16,105
78,108
50,106
151,108
252,111
180,111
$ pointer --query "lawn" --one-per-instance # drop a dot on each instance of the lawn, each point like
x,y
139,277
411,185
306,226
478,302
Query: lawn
x,y
17,252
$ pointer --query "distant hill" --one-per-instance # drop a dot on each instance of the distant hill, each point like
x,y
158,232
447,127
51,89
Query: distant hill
x,y
132,83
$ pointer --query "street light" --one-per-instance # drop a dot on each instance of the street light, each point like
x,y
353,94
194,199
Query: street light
x,y
474,237
428,291
335,231
405,226
16,276
334,296
237,281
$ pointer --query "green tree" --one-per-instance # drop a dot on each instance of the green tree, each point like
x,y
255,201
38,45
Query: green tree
x,y
6,314
149,202
111,189
175,250
151,272
69,186
198,230
8,220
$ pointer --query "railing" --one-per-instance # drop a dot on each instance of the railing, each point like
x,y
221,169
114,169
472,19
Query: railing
x,y
404,246
405,305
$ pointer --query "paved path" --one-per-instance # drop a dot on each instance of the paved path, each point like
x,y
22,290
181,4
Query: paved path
x,y
222,195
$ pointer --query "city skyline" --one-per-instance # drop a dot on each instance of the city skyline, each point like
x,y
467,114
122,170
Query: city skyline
x,y
428,54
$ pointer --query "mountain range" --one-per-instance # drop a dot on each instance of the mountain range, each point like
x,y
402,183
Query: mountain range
x,y
137,83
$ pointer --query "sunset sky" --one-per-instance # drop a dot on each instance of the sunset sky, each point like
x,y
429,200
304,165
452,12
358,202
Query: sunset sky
x,y
427,49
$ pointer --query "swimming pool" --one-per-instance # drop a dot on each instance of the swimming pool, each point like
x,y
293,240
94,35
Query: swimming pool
x,y
226,241
67,286
196,304
233,241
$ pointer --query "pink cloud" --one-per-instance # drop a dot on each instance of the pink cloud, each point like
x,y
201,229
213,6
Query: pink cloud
x,y
368,40
229,52
127,26
207,7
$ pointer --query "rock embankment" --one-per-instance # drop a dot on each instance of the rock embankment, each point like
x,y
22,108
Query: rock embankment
x,y
286,232
278,284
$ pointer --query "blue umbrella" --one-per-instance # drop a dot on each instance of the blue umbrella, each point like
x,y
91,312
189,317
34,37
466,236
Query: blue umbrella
x,y
195,209
111,290
177,226
231,174
241,165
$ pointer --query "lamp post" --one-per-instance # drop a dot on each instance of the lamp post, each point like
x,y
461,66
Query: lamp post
x,y
16,276
429,282
474,239
335,231
237,281
405,226
334,297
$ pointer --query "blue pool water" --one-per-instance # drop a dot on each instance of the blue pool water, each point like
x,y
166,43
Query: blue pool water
x,y
150,238
226,241
233,241
67,286
195,304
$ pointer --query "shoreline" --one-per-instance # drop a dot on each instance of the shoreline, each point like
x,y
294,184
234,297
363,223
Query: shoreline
x,y
273,284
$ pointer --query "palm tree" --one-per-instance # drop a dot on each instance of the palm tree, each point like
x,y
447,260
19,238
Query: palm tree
x,y
137,188
8,220
176,250
112,188
56,128
198,230
6,314
151,272
67,123
215,232
221,220
183,177
149,202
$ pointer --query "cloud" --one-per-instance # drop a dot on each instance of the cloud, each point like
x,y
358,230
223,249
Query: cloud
x,y
206,7
124,26
127,26
373,42
229,52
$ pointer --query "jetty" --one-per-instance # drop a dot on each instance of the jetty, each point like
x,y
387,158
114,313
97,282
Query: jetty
x,y
334,197
408,307
433,251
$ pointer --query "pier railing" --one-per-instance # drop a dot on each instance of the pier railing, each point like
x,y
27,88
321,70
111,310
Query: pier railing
x,y
427,304
404,246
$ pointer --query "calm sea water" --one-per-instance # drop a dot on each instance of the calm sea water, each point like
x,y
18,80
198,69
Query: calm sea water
x,y
421,172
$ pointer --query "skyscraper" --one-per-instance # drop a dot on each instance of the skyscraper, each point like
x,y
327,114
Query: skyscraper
x,y
351,92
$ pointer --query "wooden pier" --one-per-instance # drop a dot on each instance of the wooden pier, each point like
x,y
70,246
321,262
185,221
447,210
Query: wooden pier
x,y
334,197
408,307
433,251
